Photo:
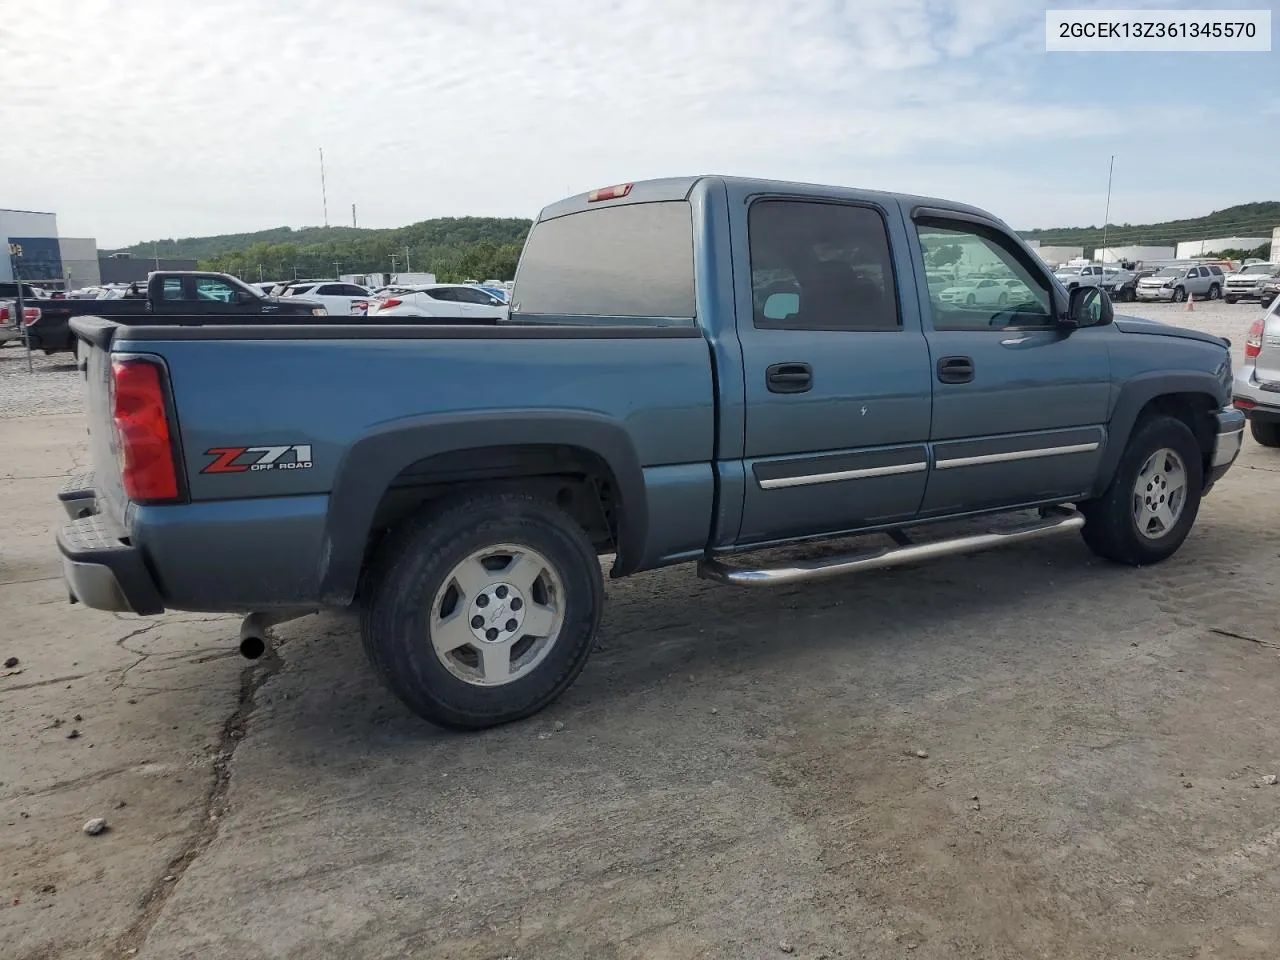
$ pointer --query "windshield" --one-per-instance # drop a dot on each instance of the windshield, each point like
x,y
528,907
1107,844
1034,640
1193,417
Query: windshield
x,y
1259,268
1170,272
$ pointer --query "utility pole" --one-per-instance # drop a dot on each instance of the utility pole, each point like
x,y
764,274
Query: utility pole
x,y
394,258
407,268
353,215
324,195
337,265
155,249
1106,216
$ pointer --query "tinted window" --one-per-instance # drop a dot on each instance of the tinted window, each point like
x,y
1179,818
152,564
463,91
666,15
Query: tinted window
x,y
210,288
331,290
1216,271
820,266
972,253
350,290
172,289
444,293
634,260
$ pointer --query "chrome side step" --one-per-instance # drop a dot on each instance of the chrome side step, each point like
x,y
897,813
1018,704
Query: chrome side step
x,y
1055,521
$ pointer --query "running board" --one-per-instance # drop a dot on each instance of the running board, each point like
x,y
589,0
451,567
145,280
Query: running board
x,y
1055,521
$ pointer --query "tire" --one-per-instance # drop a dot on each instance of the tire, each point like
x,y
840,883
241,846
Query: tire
x,y
1215,292
1003,301
1265,432
1230,299
970,300
1111,525
1179,294
415,575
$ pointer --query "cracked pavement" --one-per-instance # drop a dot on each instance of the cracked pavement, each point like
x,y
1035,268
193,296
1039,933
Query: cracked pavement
x,y
733,769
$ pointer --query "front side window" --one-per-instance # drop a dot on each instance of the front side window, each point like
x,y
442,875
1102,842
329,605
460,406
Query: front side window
x,y
210,288
1020,297
820,266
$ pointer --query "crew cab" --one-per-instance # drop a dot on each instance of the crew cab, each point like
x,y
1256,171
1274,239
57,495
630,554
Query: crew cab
x,y
197,296
692,370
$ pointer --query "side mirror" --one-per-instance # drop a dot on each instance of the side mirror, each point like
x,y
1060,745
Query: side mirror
x,y
1089,307
244,298
779,306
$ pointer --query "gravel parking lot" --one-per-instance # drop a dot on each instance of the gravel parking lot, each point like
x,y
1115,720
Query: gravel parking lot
x,y
1018,754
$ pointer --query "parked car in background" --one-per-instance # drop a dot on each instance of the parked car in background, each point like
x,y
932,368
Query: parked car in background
x,y
1178,283
165,295
976,290
1082,276
459,485
1247,283
499,291
1268,290
337,298
1121,285
454,300
1257,385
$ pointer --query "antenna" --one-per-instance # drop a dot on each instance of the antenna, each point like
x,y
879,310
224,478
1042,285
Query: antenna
x,y
1107,215
324,195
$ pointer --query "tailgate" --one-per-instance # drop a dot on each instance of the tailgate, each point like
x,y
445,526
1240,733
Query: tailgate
x,y
95,370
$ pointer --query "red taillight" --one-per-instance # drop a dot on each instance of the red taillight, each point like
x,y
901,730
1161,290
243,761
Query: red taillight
x,y
30,315
143,444
609,193
389,302
1253,345
1241,404
4,314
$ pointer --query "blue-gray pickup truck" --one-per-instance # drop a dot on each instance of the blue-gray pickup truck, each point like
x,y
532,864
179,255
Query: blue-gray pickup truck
x,y
692,370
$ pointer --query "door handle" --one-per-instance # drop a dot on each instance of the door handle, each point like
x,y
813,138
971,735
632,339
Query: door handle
x,y
955,369
789,378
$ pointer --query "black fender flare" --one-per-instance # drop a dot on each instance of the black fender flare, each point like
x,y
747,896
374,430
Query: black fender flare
x,y
1136,394
371,463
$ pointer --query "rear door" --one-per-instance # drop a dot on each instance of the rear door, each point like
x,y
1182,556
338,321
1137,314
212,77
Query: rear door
x,y
837,371
1019,404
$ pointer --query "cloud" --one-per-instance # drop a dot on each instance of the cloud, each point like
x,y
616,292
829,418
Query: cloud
x,y
165,118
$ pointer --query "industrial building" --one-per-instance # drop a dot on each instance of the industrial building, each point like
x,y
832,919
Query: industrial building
x,y
1134,254
1055,256
125,268
1207,248
31,245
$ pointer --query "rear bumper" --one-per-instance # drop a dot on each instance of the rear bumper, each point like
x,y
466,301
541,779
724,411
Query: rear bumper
x,y
1255,401
101,569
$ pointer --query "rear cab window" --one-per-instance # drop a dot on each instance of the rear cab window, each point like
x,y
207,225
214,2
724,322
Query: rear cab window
x,y
623,262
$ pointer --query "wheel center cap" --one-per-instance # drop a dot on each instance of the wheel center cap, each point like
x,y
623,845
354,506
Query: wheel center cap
x,y
497,613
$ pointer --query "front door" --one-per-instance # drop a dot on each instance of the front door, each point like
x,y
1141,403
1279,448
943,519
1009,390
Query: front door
x,y
1019,403
836,367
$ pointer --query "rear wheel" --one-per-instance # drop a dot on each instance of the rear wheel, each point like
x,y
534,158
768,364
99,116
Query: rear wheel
x,y
1265,432
482,611
1215,292
1152,501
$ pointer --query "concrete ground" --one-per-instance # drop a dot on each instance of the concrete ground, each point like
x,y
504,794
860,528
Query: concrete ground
x,y
735,774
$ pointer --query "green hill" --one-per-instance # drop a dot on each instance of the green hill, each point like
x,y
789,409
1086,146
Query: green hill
x,y
456,248
1242,220
453,248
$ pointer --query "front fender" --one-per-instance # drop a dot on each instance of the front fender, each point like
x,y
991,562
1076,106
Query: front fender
x,y
1134,395
370,465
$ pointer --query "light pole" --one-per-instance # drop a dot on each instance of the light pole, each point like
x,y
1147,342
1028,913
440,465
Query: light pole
x,y
1107,215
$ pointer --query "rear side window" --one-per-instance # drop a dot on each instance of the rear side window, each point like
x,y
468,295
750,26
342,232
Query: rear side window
x,y
443,293
634,260
172,289
820,266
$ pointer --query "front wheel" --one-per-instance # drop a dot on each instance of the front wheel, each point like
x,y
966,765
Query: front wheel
x,y
1265,432
482,611
1230,299
1179,294
1152,501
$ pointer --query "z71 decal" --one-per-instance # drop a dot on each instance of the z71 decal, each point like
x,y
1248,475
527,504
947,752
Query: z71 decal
x,y
245,459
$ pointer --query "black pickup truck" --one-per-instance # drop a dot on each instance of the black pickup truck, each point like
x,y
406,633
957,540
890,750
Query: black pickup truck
x,y
171,298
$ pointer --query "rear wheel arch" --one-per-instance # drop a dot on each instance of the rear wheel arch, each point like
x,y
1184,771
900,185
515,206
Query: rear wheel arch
x,y
1191,398
445,455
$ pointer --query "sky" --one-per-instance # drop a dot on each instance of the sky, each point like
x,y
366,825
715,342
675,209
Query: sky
x,y
148,119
